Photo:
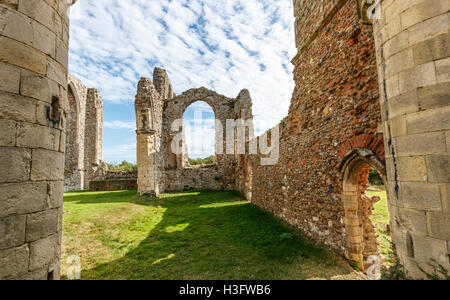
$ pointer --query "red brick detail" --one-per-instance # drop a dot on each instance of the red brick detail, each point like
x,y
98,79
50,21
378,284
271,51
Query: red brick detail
x,y
364,141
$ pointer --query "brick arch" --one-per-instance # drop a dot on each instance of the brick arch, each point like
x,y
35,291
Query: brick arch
x,y
363,141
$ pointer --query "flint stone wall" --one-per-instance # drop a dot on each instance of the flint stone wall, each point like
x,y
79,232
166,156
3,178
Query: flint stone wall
x,y
335,103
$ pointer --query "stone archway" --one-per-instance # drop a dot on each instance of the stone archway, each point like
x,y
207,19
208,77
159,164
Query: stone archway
x,y
159,169
181,176
361,238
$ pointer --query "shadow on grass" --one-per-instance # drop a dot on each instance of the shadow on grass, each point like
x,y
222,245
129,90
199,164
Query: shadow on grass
x,y
209,235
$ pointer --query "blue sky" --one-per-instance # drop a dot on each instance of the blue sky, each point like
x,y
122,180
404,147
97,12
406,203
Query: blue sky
x,y
222,45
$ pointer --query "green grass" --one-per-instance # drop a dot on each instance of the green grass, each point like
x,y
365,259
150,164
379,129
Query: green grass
x,y
195,235
380,218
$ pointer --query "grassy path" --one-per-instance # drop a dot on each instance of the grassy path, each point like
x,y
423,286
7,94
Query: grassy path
x,y
196,235
380,218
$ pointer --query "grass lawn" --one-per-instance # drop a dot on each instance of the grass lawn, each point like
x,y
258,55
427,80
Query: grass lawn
x,y
194,235
380,218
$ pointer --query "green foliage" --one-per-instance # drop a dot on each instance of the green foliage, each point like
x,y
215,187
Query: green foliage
x,y
380,218
286,236
124,166
393,268
190,236
210,160
375,178
439,271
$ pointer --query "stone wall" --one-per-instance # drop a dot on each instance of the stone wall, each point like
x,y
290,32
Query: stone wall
x,y
338,126
34,36
114,181
157,109
113,185
84,139
93,152
334,109
211,177
413,55
74,171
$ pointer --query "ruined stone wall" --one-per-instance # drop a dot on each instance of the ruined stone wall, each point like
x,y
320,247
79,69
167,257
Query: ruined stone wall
x,y
182,176
34,36
114,181
74,171
84,139
149,107
334,109
159,167
93,152
413,49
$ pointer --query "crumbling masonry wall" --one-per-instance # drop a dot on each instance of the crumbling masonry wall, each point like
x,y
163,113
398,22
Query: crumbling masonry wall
x,y
157,109
34,36
74,173
84,139
93,153
343,118
334,109
330,134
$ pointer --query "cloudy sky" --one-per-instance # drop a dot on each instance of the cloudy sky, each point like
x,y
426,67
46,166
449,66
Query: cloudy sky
x,y
222,45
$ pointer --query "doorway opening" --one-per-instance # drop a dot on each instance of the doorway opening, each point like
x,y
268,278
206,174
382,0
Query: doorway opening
x,y
366,209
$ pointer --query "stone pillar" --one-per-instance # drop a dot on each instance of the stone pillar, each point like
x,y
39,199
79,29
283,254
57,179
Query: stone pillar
x,y
413,48
146,99
34,37
93,134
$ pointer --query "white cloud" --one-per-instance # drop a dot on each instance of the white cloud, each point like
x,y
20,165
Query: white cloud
x,y
119,125
222,45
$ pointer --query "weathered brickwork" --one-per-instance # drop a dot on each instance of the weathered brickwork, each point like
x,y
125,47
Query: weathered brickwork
x,y
334,109
84,138
338,125
33,103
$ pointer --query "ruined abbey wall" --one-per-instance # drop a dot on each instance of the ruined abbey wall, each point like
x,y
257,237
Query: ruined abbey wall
x,y
84,139
329,138
74,173
34,37
368,93
334,109
157,110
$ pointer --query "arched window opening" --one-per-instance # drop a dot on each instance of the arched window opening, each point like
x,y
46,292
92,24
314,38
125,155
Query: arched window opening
x,y
200,135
